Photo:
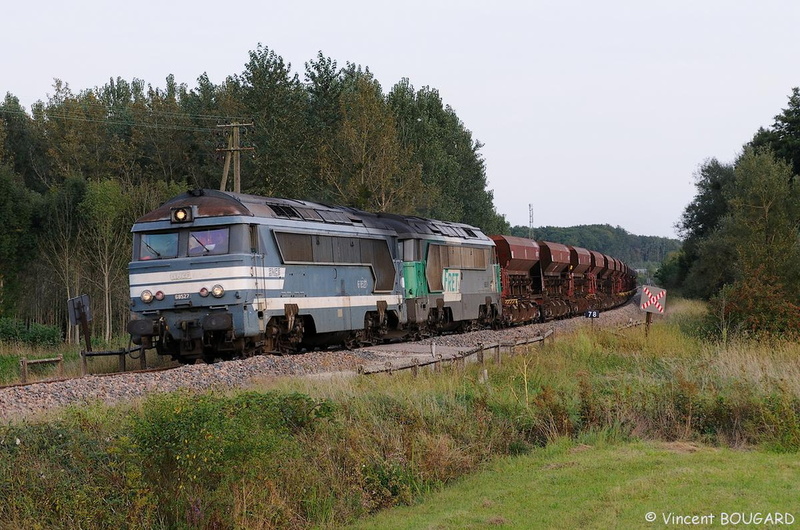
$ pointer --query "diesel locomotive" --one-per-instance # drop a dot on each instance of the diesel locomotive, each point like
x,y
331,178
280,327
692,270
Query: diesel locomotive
x,y
221,275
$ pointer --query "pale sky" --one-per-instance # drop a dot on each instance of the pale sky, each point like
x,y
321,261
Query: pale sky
x,y
593,112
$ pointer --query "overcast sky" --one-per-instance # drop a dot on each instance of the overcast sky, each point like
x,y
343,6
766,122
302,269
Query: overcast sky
x,y
593,112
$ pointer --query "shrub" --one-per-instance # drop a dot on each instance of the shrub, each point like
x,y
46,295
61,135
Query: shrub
x,y
196,447
13,330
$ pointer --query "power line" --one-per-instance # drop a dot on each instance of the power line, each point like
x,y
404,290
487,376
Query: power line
x,y
133,121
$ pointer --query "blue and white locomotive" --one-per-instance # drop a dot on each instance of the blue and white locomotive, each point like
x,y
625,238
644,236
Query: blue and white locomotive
x,y
218,275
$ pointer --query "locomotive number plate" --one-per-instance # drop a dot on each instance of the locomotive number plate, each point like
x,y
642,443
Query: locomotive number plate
x,y
182,296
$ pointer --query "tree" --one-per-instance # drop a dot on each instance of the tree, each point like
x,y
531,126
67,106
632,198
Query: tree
x,y
17,243
761,229
60,223
706,265
764,213
75,129
208,106
709,206
783,138
106,245
2,142
275,99
127,144
165,132
323,85
453,169
24,147
366,166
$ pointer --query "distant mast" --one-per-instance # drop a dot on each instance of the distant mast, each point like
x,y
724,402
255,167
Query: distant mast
x,y
530,221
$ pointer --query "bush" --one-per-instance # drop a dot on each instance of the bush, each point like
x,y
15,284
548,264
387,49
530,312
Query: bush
x,y
334,451
197,448
14,330
757,306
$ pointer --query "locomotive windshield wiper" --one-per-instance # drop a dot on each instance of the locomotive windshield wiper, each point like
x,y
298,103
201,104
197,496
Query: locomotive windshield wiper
x,y
154,251
205,248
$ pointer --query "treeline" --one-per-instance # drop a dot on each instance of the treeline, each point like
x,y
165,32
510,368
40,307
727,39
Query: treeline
x,y
639,252
80,167
740,233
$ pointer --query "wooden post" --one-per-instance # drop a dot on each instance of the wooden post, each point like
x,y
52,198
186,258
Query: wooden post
x,y
647,319
142,358
23,364
84,367
61,367
415,367
122,361
87,338
237,173
480,353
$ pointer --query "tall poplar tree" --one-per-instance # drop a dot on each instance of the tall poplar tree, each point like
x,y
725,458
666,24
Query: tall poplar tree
x,y
761,229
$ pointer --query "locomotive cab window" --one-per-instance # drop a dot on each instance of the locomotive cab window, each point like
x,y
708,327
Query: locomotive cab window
x,y
158,246
207,242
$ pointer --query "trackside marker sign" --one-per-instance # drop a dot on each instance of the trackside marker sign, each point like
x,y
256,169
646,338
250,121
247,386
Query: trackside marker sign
x,y
654,299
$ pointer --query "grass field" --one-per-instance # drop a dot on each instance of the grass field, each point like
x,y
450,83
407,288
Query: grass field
x,y
576,485
598,429
12,352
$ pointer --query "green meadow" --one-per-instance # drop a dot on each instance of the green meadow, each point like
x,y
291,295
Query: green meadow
x,y
597,429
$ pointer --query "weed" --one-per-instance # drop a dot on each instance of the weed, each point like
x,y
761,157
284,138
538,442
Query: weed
x,y
301,453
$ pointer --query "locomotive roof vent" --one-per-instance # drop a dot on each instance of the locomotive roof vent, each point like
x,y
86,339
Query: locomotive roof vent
x,y
309,214
284,211
331,216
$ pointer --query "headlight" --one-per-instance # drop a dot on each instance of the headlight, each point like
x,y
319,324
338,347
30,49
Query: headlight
x,y
181,215
217,291
147,297
159,295
203,292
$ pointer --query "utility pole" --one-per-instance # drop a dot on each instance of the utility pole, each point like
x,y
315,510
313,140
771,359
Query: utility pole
x,y
235,149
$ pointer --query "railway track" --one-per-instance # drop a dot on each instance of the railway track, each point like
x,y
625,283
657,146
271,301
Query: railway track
x,y
64,379
20,401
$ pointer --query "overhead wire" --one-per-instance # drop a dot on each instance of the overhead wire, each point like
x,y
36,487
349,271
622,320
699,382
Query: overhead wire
x,y
133,122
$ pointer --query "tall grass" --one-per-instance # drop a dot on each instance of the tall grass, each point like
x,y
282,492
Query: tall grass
x,y
11,352
298,453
